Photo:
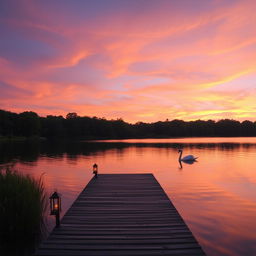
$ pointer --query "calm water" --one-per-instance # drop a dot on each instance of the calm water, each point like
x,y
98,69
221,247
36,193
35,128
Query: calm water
x,y
216,196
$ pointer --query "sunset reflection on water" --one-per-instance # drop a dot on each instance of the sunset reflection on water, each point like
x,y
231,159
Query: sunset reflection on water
x,y
216,195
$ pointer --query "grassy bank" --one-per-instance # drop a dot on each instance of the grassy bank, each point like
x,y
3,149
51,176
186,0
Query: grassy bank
x,y
11,138
22,208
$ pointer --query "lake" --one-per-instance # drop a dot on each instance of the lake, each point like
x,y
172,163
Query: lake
x,y
216,196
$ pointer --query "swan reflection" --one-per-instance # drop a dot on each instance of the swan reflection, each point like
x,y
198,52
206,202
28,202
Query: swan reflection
x,y
189,159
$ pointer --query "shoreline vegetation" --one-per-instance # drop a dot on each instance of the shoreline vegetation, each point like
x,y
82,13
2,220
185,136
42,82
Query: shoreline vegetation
x,y
28,125
23,203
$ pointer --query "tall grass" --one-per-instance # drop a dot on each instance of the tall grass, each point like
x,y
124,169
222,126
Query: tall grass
x,y
22,208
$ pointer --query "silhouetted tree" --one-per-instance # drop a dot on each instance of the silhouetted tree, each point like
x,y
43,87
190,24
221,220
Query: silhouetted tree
x,y
74,126
227,127
28,124
8,123
248,128
71,115
53,126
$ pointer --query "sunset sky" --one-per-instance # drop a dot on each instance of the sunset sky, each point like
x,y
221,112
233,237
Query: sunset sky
x,y
140,60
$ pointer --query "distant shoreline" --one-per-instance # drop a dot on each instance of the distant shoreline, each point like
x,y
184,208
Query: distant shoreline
x,y
38,139
30,125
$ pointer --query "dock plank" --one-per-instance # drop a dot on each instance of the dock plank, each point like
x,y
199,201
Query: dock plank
x,y
121,214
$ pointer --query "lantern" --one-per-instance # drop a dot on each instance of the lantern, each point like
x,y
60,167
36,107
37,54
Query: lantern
x,y
95,170
55,206
55,203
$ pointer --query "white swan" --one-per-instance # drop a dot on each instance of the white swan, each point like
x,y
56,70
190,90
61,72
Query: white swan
x,y
189,158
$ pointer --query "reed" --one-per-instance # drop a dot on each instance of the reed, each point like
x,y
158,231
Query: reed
x,y
23,203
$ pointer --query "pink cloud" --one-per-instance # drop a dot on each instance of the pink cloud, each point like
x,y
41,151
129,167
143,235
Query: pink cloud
x,y
165,61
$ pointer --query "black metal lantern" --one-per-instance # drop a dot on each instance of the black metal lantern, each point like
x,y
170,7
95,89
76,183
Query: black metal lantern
x,y
95,170
55,206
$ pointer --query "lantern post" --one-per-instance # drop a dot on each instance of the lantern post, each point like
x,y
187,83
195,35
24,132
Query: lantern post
x,y
95,170
55,207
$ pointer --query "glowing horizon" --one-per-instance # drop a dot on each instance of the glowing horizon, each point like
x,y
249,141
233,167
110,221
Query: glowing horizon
x,y
137,60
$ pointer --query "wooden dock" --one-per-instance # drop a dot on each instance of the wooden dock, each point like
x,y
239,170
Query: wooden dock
x,y
121,214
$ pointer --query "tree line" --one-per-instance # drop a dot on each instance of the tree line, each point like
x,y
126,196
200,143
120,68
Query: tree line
x,y
28,123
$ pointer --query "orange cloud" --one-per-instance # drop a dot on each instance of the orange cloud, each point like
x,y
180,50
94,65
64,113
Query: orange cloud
x,y
167,61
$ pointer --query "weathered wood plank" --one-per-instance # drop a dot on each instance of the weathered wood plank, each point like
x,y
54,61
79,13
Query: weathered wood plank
x,y
122,241
121,237
121,214
85,247
165,252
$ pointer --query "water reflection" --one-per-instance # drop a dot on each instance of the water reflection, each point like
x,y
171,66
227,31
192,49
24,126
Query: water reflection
x,y
30,151
186,162
216,195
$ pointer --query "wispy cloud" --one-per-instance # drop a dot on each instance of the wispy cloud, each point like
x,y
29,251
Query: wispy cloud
x,y
142,61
